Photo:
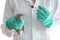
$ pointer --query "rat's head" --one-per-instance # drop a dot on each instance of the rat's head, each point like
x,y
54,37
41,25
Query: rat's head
x,y
20,16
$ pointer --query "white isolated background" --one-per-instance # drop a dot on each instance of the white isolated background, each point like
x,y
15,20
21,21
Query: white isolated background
x,y
53,32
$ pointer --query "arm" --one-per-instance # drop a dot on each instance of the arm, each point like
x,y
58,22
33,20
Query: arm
x,y
8,12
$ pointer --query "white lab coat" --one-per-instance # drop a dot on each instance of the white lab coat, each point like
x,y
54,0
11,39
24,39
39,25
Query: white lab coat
x,y
13,7
34,29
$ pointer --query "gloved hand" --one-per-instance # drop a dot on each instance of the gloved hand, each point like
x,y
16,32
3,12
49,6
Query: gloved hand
x,y
13,23
44,16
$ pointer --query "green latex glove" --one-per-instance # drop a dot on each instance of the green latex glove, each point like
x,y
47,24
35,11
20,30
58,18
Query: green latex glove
x,y
44,16
13,23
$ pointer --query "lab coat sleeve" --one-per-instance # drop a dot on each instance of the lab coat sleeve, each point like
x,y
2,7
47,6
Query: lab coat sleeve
x,y
8,12
11,8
